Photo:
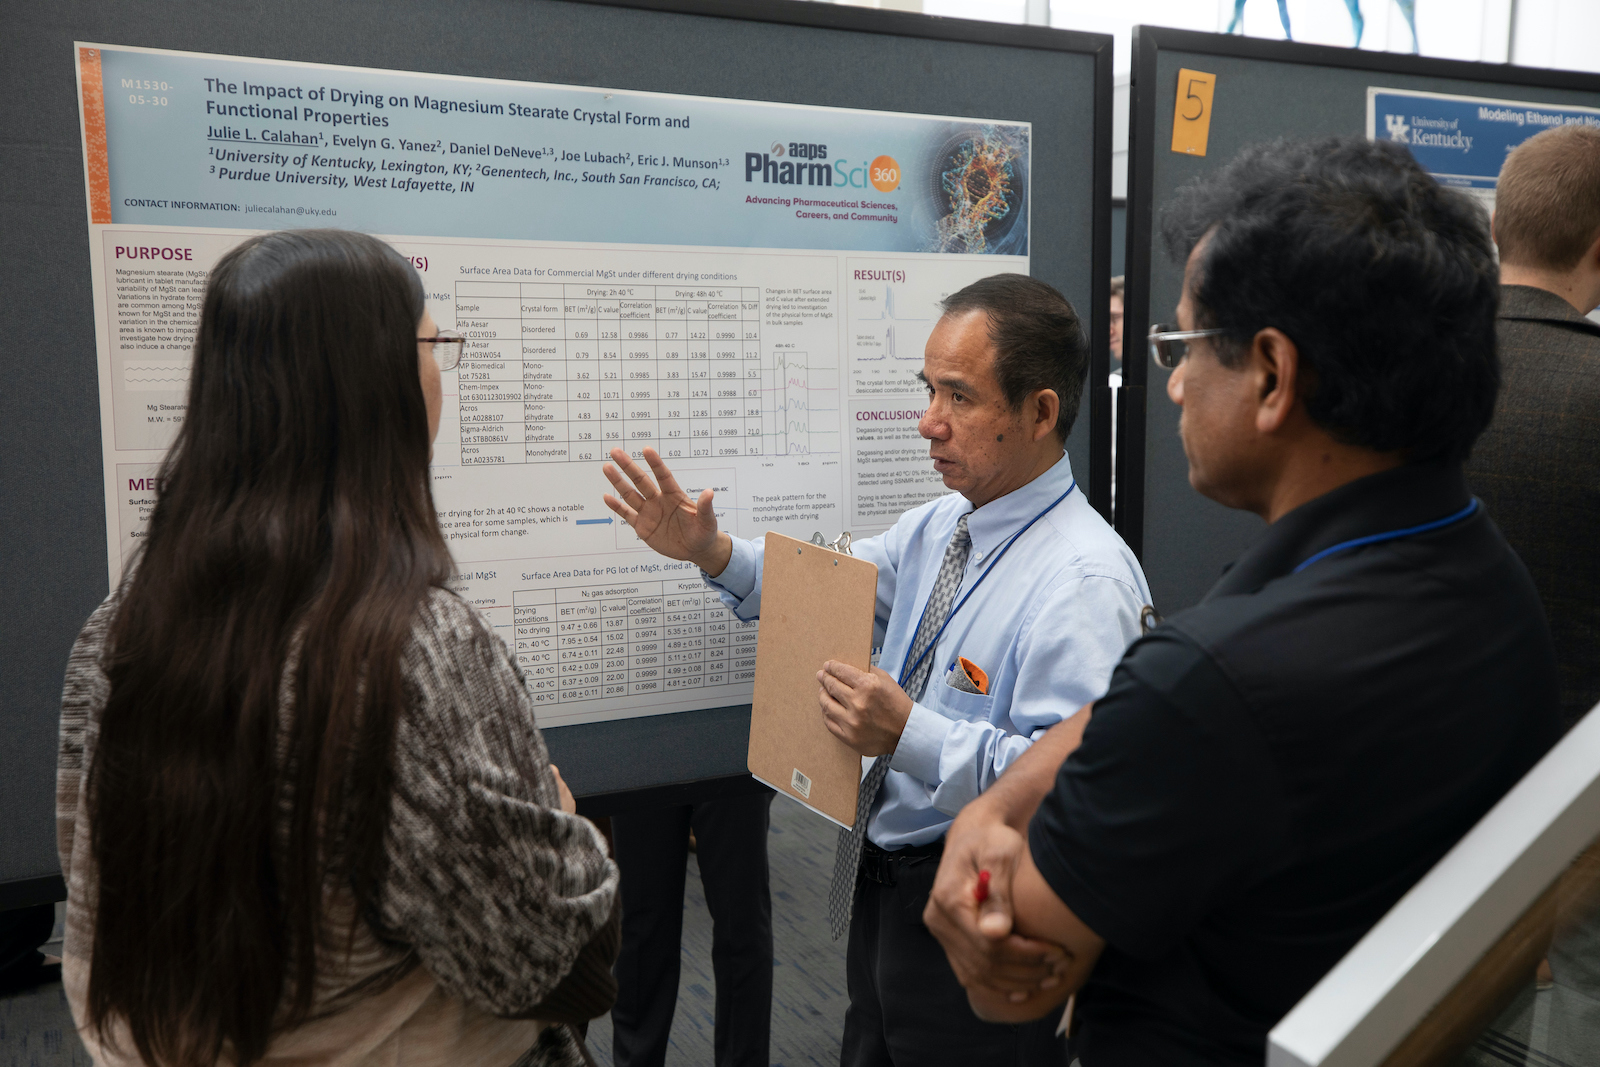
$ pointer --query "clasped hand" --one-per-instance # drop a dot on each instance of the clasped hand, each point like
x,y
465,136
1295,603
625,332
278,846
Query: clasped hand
x,y
1008,977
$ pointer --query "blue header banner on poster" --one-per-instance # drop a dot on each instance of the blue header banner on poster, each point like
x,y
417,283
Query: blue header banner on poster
x,y
203,140
1464,140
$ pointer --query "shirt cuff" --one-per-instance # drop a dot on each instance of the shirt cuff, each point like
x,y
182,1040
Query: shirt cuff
x,y
921,743
738,578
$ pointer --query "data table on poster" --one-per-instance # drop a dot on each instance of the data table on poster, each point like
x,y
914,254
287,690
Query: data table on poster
x,y
578,643
556,373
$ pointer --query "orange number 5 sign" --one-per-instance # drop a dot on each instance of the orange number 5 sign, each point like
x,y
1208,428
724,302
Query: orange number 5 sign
x,y
1191,112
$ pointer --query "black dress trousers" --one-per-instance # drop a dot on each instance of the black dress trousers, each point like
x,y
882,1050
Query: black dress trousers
x,y
653,851
906,1007
22,965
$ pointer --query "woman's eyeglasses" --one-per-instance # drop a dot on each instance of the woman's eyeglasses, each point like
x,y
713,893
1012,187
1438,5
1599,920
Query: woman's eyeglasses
x,y
447,348
1169,346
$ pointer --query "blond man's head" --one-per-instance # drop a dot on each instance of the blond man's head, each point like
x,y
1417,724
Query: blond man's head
x,y
1547,205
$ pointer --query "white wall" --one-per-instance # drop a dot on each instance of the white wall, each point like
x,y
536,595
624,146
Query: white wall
x,y
1547,33
1535,33
1558,33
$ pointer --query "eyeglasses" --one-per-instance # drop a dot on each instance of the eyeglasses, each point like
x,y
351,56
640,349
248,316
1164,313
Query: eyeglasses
x,y
446,348
1169,346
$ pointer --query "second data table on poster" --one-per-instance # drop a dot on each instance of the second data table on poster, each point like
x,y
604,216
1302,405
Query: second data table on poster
x,y
629,639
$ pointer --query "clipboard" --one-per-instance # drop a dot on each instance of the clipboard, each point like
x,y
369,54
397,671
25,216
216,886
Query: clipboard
x,y
816,605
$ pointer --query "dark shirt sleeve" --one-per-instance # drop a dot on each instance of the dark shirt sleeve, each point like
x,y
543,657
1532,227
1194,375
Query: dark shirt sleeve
x,y
1164,806
590,989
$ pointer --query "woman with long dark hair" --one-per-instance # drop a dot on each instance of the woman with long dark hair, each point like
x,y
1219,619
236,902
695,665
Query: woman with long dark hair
x,y
303,809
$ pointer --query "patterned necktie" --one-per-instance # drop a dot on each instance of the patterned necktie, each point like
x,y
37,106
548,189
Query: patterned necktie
x,y
846,860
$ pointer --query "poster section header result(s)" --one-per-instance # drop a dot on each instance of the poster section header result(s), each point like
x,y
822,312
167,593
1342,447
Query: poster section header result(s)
x,y
746,288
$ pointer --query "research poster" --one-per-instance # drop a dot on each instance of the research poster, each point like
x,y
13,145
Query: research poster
x,y
1463,140
745,286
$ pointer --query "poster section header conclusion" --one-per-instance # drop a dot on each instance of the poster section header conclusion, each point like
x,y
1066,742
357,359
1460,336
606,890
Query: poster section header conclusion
x,y
1463,140
746,287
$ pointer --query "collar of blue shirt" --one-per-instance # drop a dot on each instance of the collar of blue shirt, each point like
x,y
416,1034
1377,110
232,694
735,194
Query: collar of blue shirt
x,y
997,520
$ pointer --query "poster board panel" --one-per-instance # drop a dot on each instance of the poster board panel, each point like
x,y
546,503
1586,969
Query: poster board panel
x,y
1262,90
55,553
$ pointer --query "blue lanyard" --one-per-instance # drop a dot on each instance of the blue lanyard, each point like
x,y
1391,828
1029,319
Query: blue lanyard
x,y
1392,535
907,671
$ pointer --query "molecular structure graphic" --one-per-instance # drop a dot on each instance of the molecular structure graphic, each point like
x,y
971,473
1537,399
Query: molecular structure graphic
x,y
978,183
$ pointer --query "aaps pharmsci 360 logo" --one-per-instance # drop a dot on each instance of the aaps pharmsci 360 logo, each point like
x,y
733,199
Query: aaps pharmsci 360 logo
x,y
808,164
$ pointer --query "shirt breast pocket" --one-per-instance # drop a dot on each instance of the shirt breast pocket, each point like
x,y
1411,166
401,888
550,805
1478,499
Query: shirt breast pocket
x,y
968,707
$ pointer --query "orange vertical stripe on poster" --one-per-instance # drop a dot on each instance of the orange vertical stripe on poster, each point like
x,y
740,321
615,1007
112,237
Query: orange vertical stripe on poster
x,y
94,134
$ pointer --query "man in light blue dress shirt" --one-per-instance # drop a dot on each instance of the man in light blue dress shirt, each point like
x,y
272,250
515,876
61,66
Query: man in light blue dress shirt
x,y
1042,607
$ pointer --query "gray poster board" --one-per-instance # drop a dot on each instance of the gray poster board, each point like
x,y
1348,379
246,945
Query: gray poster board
x,y
52,563
1264,90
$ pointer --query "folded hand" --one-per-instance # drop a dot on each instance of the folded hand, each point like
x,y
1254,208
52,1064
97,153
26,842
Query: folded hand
x,y
989,960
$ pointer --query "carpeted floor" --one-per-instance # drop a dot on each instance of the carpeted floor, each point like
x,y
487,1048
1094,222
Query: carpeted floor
x,y
808,998
808,991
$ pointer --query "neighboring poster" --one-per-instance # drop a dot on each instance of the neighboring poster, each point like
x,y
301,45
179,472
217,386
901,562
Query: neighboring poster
x,y
1463,140
745,286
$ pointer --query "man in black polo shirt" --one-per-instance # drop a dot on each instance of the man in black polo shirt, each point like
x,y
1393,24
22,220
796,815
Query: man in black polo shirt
x,y
1272,769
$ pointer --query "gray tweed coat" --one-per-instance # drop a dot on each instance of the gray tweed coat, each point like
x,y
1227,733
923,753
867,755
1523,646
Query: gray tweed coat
x,y
1537,470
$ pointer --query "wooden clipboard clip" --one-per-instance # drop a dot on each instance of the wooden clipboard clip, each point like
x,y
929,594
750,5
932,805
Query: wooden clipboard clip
x,y
839,544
